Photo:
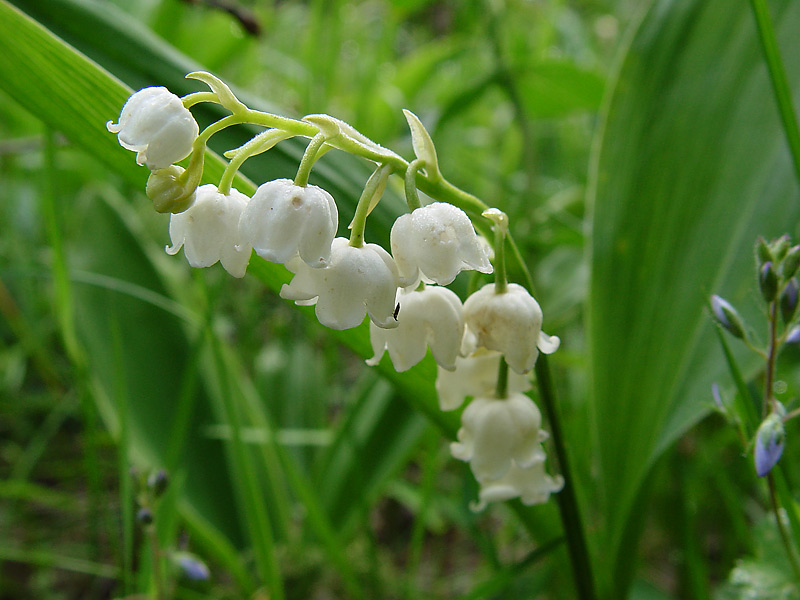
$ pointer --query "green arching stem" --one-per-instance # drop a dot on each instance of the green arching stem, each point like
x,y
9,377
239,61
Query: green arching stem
x,y
309,158
777,74
255,146
193,174
375,182
501,391
216,127
197,97
410,179
500,277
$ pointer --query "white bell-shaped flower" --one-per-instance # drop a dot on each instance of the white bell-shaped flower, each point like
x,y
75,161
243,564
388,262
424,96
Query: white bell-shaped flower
x,y
532,486
156,125
430,316
510,323
496,432
439,241
355,281
475,375
284,219
208,231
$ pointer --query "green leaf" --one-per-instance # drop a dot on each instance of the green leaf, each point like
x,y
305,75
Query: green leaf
x,y
690,167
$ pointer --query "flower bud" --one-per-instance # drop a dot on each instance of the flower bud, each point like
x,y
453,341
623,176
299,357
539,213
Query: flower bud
x,y
768,281
791,263
144,516
763,253
158,482
155,124
769,443
167,193
780,247
715,393
794,335
191,566
788,300
727,316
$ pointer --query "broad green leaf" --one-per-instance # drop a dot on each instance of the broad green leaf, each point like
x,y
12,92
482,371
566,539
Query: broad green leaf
x,y
691,165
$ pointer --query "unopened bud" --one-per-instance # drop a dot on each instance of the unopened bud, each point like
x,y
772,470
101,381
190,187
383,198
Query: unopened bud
x,y
717,396
158,481
763,252
793,336
727,316
168,194
768,281
791,263
191,566
789,300
769,443
144,516
780,247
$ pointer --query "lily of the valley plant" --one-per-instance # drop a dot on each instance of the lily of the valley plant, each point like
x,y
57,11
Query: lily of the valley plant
x,y
346,278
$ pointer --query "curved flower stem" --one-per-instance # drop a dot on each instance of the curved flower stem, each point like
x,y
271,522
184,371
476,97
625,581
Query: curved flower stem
x,y
567,501
197,97
309,157
501,391
500,277
375,183
261,143
772,351
410,180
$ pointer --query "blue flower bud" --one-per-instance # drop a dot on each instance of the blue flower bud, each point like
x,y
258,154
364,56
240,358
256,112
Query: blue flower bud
x,y
769,443
715,393
789,297
768,281
794,335
191,566
158,481
791,263
144,516
727,316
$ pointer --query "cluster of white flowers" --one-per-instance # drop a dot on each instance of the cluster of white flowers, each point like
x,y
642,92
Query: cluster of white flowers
x,y
403,293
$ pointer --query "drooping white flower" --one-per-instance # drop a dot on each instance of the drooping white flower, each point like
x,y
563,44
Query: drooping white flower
x,y
510,323
355,281
475,375
208,231
284,219
430,316
496,432
532,486
155,124
438,240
